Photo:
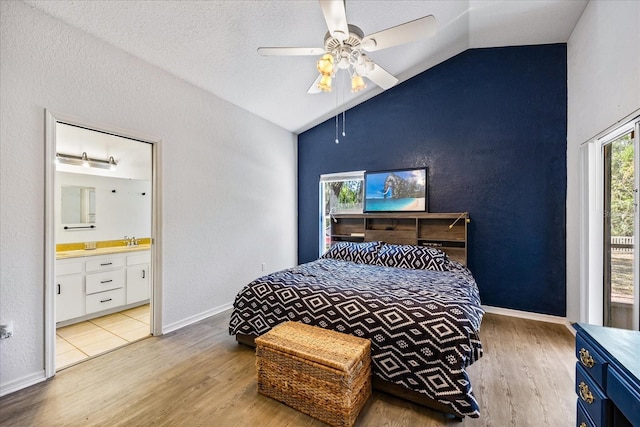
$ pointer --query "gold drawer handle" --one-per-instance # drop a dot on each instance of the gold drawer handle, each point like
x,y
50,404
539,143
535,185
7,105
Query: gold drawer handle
x,y
585,394
586,358
583,424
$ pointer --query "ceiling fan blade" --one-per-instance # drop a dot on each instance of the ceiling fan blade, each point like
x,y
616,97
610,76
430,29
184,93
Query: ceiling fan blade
x,y
335,15
379,75
403,33
314,87
290,51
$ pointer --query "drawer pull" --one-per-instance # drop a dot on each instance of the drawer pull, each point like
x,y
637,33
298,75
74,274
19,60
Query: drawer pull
x,y
583,424
585,394
106,281
586,358
107,300
105,264
58,288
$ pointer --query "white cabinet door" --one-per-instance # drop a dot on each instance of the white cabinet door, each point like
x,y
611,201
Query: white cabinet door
x,y
137,283
69,297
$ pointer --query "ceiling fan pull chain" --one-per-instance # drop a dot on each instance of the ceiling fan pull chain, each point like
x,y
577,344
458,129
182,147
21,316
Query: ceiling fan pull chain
x,y
337,140
343,123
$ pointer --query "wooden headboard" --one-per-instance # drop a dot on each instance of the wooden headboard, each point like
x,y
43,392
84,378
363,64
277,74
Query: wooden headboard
x,y
446,231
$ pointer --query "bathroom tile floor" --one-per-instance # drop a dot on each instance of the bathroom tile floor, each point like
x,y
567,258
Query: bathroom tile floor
x,y
81,341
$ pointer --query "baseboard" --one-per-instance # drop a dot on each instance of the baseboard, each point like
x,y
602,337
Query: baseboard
x,y
196,318
20,383
525,315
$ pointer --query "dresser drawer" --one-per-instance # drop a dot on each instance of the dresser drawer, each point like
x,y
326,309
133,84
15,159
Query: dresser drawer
x,y
105,300
582,419
591,360
98,282
105,263
592,398
626,396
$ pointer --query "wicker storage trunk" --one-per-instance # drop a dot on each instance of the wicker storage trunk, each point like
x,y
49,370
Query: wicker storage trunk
x,y
325,374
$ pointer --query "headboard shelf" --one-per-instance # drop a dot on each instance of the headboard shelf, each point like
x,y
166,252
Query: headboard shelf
x,y
446,231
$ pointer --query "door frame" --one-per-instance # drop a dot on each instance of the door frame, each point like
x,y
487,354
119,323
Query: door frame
x,y
51,118
591,247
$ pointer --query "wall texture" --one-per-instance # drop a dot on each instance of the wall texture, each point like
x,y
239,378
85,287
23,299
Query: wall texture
x,y
490,124
228,178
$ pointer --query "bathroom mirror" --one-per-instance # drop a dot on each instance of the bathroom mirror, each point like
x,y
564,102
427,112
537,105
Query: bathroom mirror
x,y
78,205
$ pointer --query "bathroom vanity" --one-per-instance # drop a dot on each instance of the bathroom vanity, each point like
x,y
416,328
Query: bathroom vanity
x,y
92,283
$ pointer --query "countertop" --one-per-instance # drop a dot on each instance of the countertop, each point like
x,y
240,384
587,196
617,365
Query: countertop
x,y
101,251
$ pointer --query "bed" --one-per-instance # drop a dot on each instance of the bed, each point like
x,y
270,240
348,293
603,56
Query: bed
x,y
420,309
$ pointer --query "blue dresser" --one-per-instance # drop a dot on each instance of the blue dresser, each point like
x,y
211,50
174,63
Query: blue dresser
x,y
607,376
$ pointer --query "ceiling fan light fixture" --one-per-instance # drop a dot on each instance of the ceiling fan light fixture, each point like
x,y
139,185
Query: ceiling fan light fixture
x,y
325,83
325,64
357,83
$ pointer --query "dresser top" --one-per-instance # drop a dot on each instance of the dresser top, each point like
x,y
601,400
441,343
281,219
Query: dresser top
x,y
621,345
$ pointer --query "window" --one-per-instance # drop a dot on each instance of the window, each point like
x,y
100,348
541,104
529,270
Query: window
x,y
340,193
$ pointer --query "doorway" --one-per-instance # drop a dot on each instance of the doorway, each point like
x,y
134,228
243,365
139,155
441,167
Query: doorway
x,y
620,306
101,240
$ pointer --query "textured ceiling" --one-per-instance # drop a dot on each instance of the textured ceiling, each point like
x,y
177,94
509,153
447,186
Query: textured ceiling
x,y
212,44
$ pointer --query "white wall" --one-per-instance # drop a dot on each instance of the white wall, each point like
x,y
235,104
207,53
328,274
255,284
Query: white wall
x,y
603,69
125,212
228,178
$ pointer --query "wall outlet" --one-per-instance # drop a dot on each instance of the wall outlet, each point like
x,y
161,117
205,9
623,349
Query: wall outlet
x,y
264,266
6,330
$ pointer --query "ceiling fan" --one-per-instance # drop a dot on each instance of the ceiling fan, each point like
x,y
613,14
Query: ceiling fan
x,y
344,45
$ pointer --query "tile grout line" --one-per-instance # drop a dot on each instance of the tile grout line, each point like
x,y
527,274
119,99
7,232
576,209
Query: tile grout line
x,y
72,345
87,356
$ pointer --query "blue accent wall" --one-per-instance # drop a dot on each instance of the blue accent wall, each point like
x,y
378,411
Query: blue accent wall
x,y
491,126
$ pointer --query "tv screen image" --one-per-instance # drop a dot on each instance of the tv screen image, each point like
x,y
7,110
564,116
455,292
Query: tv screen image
x,y
399,190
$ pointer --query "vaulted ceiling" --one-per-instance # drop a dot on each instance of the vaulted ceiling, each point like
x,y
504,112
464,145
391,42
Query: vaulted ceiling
x,y
212,44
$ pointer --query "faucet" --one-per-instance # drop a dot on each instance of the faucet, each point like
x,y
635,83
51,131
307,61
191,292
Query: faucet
x,y
131,241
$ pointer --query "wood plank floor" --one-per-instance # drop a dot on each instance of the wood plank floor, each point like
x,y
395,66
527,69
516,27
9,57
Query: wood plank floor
x,y
199,376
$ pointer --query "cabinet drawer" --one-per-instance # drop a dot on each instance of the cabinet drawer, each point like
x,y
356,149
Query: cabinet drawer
x,y
592,397
105,263
98,282
592,361
140,258
582,419
68,268
105,300
625,396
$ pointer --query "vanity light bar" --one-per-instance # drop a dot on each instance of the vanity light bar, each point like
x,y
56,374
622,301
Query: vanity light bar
x,y
85,161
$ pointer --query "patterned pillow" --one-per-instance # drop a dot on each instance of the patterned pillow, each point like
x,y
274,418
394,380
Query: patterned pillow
x,y
363,253
415,257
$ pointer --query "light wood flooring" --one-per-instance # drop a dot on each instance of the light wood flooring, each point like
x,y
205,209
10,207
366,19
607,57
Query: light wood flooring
x,y
81,341
199,376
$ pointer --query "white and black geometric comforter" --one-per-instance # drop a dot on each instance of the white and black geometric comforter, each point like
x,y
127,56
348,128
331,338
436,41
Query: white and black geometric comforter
x,y
423,324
